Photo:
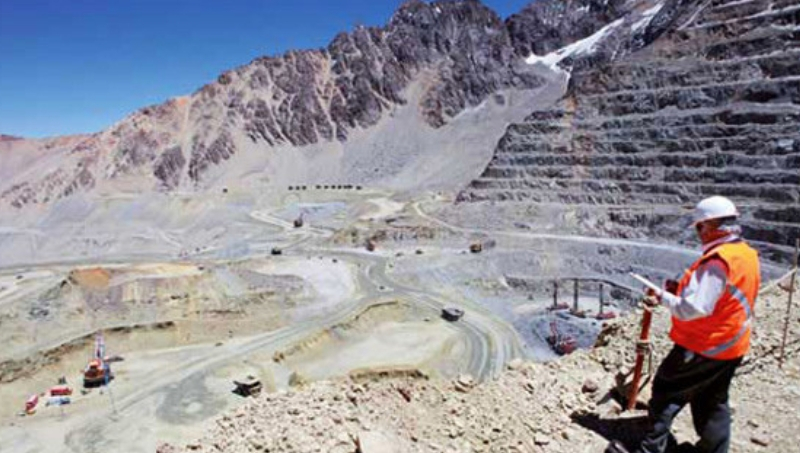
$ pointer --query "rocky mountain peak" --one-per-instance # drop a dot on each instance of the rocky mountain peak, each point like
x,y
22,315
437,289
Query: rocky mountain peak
x,y
300,98
545,26
629,64
420,14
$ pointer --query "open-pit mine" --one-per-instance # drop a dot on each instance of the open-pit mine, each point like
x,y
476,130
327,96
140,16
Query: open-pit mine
x,y
433,199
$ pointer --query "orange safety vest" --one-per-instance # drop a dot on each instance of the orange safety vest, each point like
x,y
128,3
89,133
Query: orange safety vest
x,y
725,333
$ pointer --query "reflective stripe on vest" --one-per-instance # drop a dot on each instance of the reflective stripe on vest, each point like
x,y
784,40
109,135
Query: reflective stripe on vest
x,y
742,299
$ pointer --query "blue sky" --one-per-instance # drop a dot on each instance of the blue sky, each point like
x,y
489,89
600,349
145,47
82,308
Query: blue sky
x,y
75,66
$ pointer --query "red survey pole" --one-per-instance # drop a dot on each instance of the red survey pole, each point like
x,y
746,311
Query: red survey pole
x,y
642,347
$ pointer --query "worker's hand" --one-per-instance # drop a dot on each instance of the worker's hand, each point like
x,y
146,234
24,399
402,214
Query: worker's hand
x,y
651,300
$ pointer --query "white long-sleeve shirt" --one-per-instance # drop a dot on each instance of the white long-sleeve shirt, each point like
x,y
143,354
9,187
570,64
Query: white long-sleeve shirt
x,y
706,286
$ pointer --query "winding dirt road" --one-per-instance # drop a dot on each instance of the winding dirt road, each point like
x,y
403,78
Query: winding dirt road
x,y
145,413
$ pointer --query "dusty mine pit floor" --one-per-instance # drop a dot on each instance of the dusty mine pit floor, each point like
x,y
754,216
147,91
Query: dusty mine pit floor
x,y
295,305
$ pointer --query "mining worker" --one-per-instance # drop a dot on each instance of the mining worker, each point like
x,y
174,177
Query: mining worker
x,y
712,310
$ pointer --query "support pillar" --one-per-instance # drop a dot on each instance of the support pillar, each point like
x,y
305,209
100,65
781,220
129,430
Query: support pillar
x,y
601,299
555,294
575,297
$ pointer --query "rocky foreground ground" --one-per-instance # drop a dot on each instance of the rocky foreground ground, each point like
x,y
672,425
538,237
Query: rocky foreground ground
x,y
561,406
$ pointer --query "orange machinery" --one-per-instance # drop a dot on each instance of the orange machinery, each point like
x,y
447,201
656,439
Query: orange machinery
x,y
98,371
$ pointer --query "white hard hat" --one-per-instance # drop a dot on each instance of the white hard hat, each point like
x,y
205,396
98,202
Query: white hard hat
x,y
714,208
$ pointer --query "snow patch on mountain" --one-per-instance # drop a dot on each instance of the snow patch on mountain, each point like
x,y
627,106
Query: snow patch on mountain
x,y
647,16
580,47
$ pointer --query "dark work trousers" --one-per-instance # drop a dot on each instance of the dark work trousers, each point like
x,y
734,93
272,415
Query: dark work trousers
x,y
688,378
